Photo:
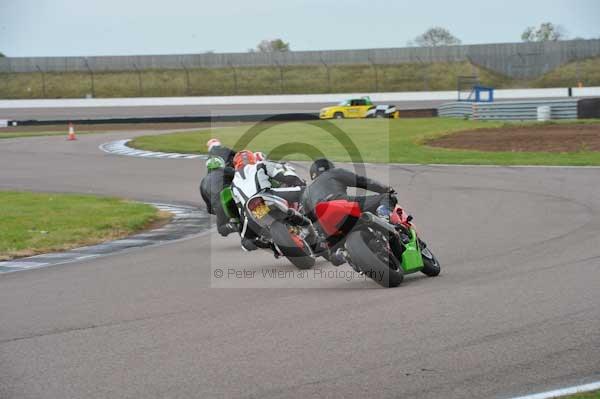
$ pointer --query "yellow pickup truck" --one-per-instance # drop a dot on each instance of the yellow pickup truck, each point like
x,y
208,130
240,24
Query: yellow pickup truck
x,y
358,108
353,108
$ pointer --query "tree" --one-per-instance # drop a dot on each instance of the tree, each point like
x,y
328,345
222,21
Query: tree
x,y
2,55
546,32
437,36
272,46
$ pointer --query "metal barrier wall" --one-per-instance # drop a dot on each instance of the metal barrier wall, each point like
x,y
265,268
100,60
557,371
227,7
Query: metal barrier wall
x,y
509,110
517,60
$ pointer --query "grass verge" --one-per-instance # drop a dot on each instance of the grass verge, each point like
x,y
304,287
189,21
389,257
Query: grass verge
x,y
585,395
381,141
34,223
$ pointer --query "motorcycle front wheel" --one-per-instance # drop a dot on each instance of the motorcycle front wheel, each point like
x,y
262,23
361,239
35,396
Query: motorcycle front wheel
x,y
293,247
431,266
377,266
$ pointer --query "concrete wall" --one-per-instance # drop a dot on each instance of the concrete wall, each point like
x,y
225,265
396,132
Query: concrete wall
x,y
389,98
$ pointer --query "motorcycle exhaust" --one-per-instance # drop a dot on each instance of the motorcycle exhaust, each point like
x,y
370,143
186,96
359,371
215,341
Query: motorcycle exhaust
x,y
377,223
297,218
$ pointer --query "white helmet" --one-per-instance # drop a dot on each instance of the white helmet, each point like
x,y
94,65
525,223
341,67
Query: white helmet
x,y
213,143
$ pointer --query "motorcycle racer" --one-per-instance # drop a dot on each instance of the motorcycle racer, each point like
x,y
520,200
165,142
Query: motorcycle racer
x,y
216,149
331,183
252,177
218,176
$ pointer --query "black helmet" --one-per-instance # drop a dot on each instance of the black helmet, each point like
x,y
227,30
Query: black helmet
x,y
319,166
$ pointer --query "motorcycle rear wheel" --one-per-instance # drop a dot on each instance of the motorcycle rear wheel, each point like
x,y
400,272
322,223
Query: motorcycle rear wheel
x,y
370,263
301,257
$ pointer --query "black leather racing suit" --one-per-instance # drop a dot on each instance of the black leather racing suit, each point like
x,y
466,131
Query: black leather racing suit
x,y
210,189
333,184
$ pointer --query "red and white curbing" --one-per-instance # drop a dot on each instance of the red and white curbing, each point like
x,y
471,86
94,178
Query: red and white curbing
x,y
120,147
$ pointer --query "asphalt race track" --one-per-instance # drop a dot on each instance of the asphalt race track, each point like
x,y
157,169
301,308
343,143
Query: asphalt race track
x,y
515,310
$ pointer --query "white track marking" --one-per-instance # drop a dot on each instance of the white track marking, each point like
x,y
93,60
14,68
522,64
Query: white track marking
x,y
23,265
130,241
120,147
52,255
563,392
86,257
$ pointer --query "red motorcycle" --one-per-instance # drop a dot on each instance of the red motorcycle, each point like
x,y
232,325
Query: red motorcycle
x,y
382,248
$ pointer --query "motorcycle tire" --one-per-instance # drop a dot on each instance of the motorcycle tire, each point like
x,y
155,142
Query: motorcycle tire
x,y
372,265
300,257
431,266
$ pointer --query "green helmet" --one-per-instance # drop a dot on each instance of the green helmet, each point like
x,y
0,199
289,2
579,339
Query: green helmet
x,y
215,163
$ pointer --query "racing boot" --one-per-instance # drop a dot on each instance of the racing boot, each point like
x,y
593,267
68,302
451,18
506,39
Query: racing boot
x,y
248,245
338,257
227,229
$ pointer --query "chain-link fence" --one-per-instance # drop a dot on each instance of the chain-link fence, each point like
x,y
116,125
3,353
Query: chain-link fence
x,y
371,70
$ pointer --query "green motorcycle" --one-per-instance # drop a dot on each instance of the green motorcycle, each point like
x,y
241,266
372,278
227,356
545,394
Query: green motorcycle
x,y
384,250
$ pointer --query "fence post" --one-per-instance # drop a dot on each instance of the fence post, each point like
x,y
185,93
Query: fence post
x,y
43,80
280,75
87,65
329,89
578,72
187,78
140,87
235,79
374,66
7,78
425,70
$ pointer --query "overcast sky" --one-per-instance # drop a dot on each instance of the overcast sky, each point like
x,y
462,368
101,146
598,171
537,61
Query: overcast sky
x,y
107,27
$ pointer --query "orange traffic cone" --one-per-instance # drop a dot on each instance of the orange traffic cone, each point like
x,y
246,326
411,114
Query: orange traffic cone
x,y
71,135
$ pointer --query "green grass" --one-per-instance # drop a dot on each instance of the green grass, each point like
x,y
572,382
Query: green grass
x,y
570,75
397,141
34,223
586,395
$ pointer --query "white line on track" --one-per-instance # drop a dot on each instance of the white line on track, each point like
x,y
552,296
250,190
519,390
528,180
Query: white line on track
x,y
120,147
564,391
22,265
